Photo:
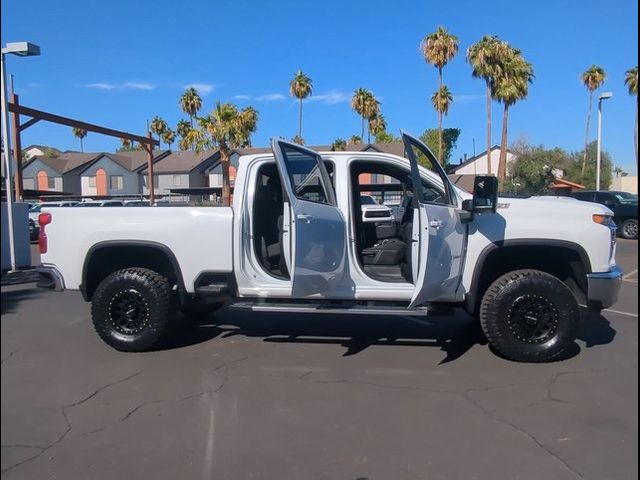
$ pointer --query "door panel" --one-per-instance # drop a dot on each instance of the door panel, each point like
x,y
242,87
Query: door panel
x,y
316,228
440,236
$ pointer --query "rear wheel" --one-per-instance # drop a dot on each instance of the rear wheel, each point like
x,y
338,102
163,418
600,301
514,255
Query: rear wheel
x,y
529,316
131,309
629,229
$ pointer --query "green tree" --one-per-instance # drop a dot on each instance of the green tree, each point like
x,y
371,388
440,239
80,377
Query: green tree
x,y
226,128
158,126
338,145
511,84
573,171
191,103
355,140
300,87
80,133
592,78
438,48
631,81
431,137
182,129
168,137
441,101
533,171
483,57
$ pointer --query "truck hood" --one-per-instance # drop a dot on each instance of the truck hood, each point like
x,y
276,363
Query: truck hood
x,y
548,205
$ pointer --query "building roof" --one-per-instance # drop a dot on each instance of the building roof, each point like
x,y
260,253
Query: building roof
x,y
455,166
65,162
564,183
184,161
131,161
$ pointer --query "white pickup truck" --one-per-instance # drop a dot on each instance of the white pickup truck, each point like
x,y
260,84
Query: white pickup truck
x,y
294,241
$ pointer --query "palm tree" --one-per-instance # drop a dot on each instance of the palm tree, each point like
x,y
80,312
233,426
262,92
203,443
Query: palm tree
x,y
441,100
338,145
191,103
355,140
298,140
168,137
182,129
592,78
483,58
227,128
631,81
126,143
438,48
361,103
510,85
158,126
80,133
371,109
300,87
377,124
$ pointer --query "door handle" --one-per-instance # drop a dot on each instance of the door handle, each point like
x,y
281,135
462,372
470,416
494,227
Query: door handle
x,y
303,217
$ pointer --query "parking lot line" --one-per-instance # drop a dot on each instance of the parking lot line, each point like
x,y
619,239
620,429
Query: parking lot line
x,y
635,315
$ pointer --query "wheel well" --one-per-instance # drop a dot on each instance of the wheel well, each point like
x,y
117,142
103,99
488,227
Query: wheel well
x,y
103,260
563,262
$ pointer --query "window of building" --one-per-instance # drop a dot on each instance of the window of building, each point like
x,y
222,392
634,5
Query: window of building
x,y
51,183
92,181
177,180
117,182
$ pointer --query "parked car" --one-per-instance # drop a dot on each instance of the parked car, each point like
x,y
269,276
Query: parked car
x,y
624,206
372,211
102,203
36,208
136,203
292,243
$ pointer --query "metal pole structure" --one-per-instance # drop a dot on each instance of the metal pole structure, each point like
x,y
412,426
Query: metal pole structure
x,y
599,144
17,145
8,166
152,196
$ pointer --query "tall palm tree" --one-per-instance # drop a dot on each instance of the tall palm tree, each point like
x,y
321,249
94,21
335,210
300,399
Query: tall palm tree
x,y
371,109
592,78
126,143
227,128
355,140
190,103
483,57
338,145
361,103
631,81
438,48
441,101
80,133
511,85
182,129
158,126
298,140
168,137
300,87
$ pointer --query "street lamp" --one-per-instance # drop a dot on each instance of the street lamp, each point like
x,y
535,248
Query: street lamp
x,y
21,49
603,96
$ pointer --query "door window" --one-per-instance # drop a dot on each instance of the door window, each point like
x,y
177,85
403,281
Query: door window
x,y
307,180
430,193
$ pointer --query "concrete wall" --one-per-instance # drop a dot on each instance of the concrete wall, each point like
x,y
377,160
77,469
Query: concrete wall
x,y
130,180
625,184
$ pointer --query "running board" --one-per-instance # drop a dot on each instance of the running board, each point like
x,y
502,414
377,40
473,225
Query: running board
x,y
329,308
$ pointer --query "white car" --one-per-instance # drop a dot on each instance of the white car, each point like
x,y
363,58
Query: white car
x,y
372,211
36,208
293,241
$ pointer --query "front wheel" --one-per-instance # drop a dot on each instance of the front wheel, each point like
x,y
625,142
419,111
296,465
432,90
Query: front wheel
x,y
529,316
629,229
131,309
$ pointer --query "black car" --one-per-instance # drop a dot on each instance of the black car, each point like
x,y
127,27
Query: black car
x,y
34,230
624,206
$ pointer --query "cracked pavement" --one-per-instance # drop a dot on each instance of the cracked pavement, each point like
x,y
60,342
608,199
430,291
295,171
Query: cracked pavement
x,y
277,396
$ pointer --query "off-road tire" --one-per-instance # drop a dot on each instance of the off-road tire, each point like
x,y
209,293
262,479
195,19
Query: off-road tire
x,y
131,309
629,229
529,316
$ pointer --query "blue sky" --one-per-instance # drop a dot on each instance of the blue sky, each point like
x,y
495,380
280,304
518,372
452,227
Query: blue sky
x,y
119,63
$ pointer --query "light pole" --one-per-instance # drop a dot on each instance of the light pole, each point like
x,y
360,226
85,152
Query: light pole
x,y
603,96
22,49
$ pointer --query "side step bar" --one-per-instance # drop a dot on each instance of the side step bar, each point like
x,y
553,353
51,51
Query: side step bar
x,y
326,308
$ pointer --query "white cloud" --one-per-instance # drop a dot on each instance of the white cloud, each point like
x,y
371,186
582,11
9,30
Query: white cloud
x,y
101,86
241,97
138,86
204,88
331,98
270,97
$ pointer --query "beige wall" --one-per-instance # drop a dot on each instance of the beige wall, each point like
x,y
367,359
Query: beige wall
x,y
625,184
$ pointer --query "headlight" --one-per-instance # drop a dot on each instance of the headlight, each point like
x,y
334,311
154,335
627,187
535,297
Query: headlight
x,y
603,219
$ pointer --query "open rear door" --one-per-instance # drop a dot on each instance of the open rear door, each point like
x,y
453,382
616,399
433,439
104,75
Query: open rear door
x,y
314,225
438,234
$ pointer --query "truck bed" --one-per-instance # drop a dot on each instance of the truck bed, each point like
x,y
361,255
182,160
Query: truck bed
x,y
201,237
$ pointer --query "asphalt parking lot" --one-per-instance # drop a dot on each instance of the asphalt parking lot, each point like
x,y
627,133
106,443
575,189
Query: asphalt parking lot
x,y
287,397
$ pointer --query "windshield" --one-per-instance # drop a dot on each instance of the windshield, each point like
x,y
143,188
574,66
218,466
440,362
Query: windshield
x,y
367,200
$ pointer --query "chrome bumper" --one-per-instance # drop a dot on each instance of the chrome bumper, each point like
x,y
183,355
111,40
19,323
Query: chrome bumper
x,y
603,288
50,278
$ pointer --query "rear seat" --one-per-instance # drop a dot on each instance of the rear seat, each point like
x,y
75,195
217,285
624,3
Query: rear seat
x,y
388,250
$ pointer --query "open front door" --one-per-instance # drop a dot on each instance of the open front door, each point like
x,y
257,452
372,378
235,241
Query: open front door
x,y
314,226
439,237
